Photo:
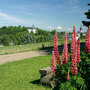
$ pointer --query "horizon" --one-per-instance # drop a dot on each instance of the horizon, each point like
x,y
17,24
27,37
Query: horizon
x,y
47,15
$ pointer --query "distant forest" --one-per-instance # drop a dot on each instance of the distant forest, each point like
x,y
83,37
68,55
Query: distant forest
x,y
17,35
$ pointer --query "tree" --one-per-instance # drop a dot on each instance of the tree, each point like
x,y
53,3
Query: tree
x,y
20,38
87,23
53,32
29,38
5,40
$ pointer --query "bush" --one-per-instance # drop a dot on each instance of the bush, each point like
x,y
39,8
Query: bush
x,y
76,82
5,40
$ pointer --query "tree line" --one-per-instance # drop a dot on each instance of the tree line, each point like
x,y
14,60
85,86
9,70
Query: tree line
x,y
17,35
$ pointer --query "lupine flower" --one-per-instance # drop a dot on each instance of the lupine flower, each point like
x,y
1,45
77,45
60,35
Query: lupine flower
x,y
74,52
66,45
78,50
53,63
73,40
72,44
74,61
87,41
65,54
74,33
56,53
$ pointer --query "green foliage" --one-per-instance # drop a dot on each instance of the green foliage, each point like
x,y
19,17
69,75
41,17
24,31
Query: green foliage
x,y
82,36
42,38
12,34
29,39
42,32
84,68
20,35
53,32
20,38
77,82
5,40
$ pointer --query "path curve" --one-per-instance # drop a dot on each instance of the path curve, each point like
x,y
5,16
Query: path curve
x,y
20,56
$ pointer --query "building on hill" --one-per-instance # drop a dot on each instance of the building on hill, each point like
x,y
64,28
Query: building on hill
x,y
69,36
81,32
32,29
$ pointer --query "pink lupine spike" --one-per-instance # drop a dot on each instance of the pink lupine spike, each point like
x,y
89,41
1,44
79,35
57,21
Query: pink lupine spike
x,y
87,41
73,40
72,44
78,50
53,63
65,54
56,53
66,44
74,52
74,33
74,61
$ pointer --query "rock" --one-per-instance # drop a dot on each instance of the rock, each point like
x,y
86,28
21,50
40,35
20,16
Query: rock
x,y
46,75
45,71
47,79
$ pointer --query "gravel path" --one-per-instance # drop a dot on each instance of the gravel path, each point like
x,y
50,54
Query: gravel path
x,y
20,56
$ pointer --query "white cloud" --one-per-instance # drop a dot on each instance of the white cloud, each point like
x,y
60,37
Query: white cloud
x,y
69,29
33,14
74,1
77,9
50,28
59,28
8,19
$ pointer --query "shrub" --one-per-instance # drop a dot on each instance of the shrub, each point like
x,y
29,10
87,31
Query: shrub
x,y
79,81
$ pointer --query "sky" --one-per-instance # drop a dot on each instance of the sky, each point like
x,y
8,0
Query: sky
x,y
44,14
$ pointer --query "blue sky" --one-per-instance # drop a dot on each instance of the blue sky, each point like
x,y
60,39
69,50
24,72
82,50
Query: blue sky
x,y
44,14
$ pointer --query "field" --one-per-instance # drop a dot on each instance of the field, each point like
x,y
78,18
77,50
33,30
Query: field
x,y
23,75
23,48
28,47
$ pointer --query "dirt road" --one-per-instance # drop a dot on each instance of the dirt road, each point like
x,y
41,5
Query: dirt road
x,y
20,56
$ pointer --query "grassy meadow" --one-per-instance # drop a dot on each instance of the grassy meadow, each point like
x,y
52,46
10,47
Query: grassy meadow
x,y
24,74
25,48
29,47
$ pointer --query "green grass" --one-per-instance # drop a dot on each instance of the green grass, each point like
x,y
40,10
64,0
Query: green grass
x,y
29,47
19,75
82,40
23,48
23,75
